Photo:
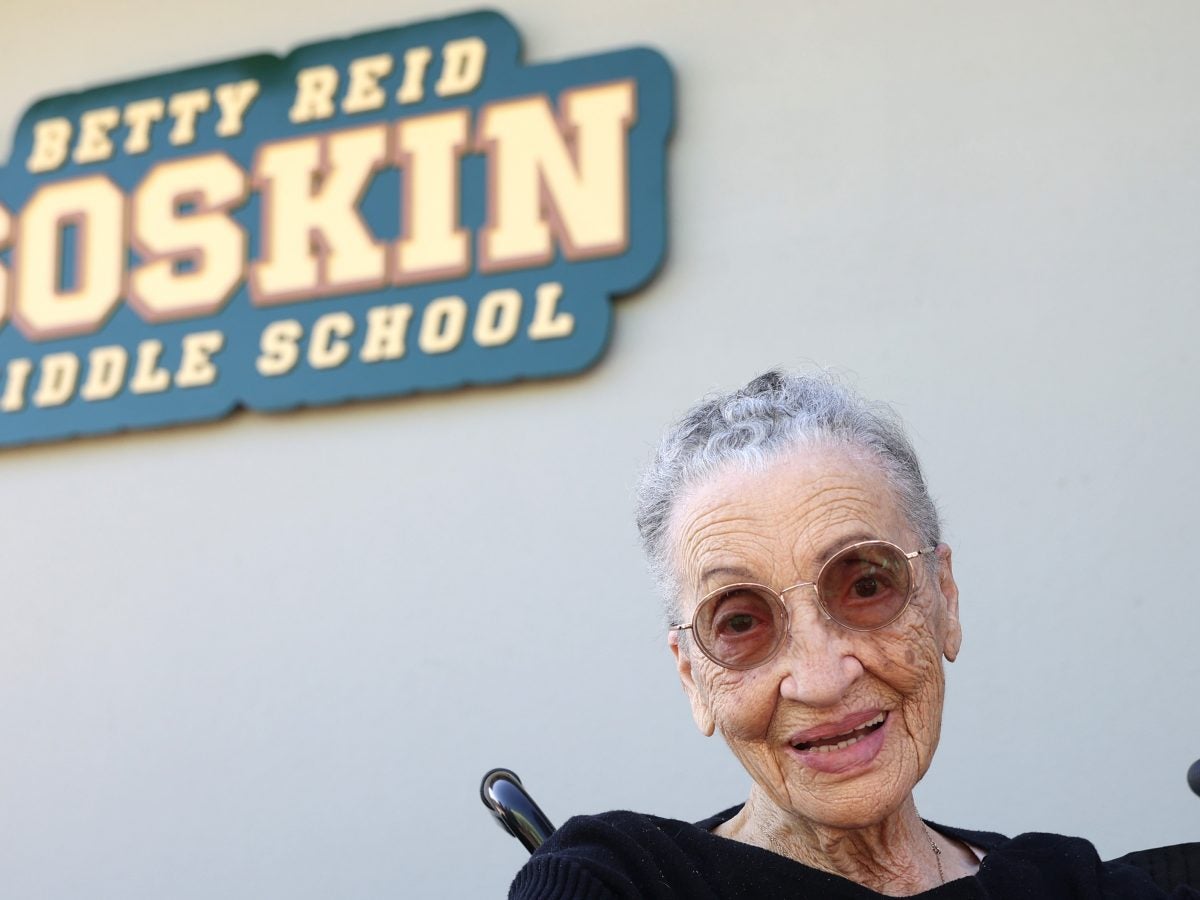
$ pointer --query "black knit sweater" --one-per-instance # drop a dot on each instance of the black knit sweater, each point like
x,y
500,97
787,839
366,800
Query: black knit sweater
x,y
628,855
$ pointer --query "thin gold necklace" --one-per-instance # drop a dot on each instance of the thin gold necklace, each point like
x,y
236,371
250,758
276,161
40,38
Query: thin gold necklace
x,y
937,853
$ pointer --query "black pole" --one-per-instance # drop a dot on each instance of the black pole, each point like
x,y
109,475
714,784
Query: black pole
x,y
502,793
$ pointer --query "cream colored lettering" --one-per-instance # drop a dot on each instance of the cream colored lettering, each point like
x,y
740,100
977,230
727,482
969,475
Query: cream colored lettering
x,y
43,307
233,99
544,184
494,322
56,380
315,87
498,318
196,368
327,348
549,322
315,242
416,64
140,117
386,327
442,325
16,378
94,144
186,107
280,348
429,151
206,237
106,373
148,376
51,144
52,137
363,92
463,61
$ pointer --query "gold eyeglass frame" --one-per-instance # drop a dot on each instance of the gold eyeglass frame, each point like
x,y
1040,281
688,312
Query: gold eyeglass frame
x,y
781,609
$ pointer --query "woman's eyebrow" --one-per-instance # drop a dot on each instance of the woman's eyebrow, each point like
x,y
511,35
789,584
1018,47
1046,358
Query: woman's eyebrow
x,y
730,571
827,553
832,549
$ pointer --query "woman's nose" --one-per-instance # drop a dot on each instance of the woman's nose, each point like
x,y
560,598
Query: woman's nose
x,y
820,663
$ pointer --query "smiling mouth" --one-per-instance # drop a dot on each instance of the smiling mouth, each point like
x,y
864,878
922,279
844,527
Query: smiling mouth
x,y
838,741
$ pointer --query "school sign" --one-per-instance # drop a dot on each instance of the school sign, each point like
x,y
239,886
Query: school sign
x,y
407,210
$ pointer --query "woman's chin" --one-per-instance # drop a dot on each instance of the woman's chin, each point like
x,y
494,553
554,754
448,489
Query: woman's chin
x,y
855,786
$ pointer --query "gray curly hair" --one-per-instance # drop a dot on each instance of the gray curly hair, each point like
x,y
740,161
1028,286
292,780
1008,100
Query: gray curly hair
x,y
776,412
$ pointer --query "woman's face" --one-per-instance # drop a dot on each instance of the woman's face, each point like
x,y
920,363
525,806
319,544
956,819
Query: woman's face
x,y
827,686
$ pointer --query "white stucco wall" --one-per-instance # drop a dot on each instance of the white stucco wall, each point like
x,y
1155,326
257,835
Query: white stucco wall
x,y
271,657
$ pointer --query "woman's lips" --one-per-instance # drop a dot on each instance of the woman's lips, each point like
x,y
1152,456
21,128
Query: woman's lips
x,y
841,727
842,746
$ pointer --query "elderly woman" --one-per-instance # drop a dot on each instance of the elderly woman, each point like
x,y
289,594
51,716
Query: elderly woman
x,y
812,603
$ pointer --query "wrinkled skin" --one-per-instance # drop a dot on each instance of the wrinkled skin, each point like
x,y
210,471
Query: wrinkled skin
x,y
775,527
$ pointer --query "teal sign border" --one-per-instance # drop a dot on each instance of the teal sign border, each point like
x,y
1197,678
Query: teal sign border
x,y
588,285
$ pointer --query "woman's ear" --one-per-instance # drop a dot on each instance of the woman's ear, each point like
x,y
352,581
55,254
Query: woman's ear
x,y
949,590
701,712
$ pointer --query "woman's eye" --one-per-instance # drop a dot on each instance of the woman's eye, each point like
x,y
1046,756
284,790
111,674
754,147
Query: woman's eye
x,y
866,587
740,623
737,620
739,614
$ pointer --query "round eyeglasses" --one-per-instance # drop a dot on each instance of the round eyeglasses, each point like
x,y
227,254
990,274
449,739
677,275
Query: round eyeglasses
x,y
863,587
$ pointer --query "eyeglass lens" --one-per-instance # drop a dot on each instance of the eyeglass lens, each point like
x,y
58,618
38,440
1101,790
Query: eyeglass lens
x,y
863,587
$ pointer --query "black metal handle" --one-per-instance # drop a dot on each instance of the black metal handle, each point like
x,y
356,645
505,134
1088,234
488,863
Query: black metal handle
x,y
502,793
1194,778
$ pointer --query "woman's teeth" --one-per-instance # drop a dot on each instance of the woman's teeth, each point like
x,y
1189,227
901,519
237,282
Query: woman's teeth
x,y
828,745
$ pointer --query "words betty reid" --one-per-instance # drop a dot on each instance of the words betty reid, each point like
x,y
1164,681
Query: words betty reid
x,y
411,209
